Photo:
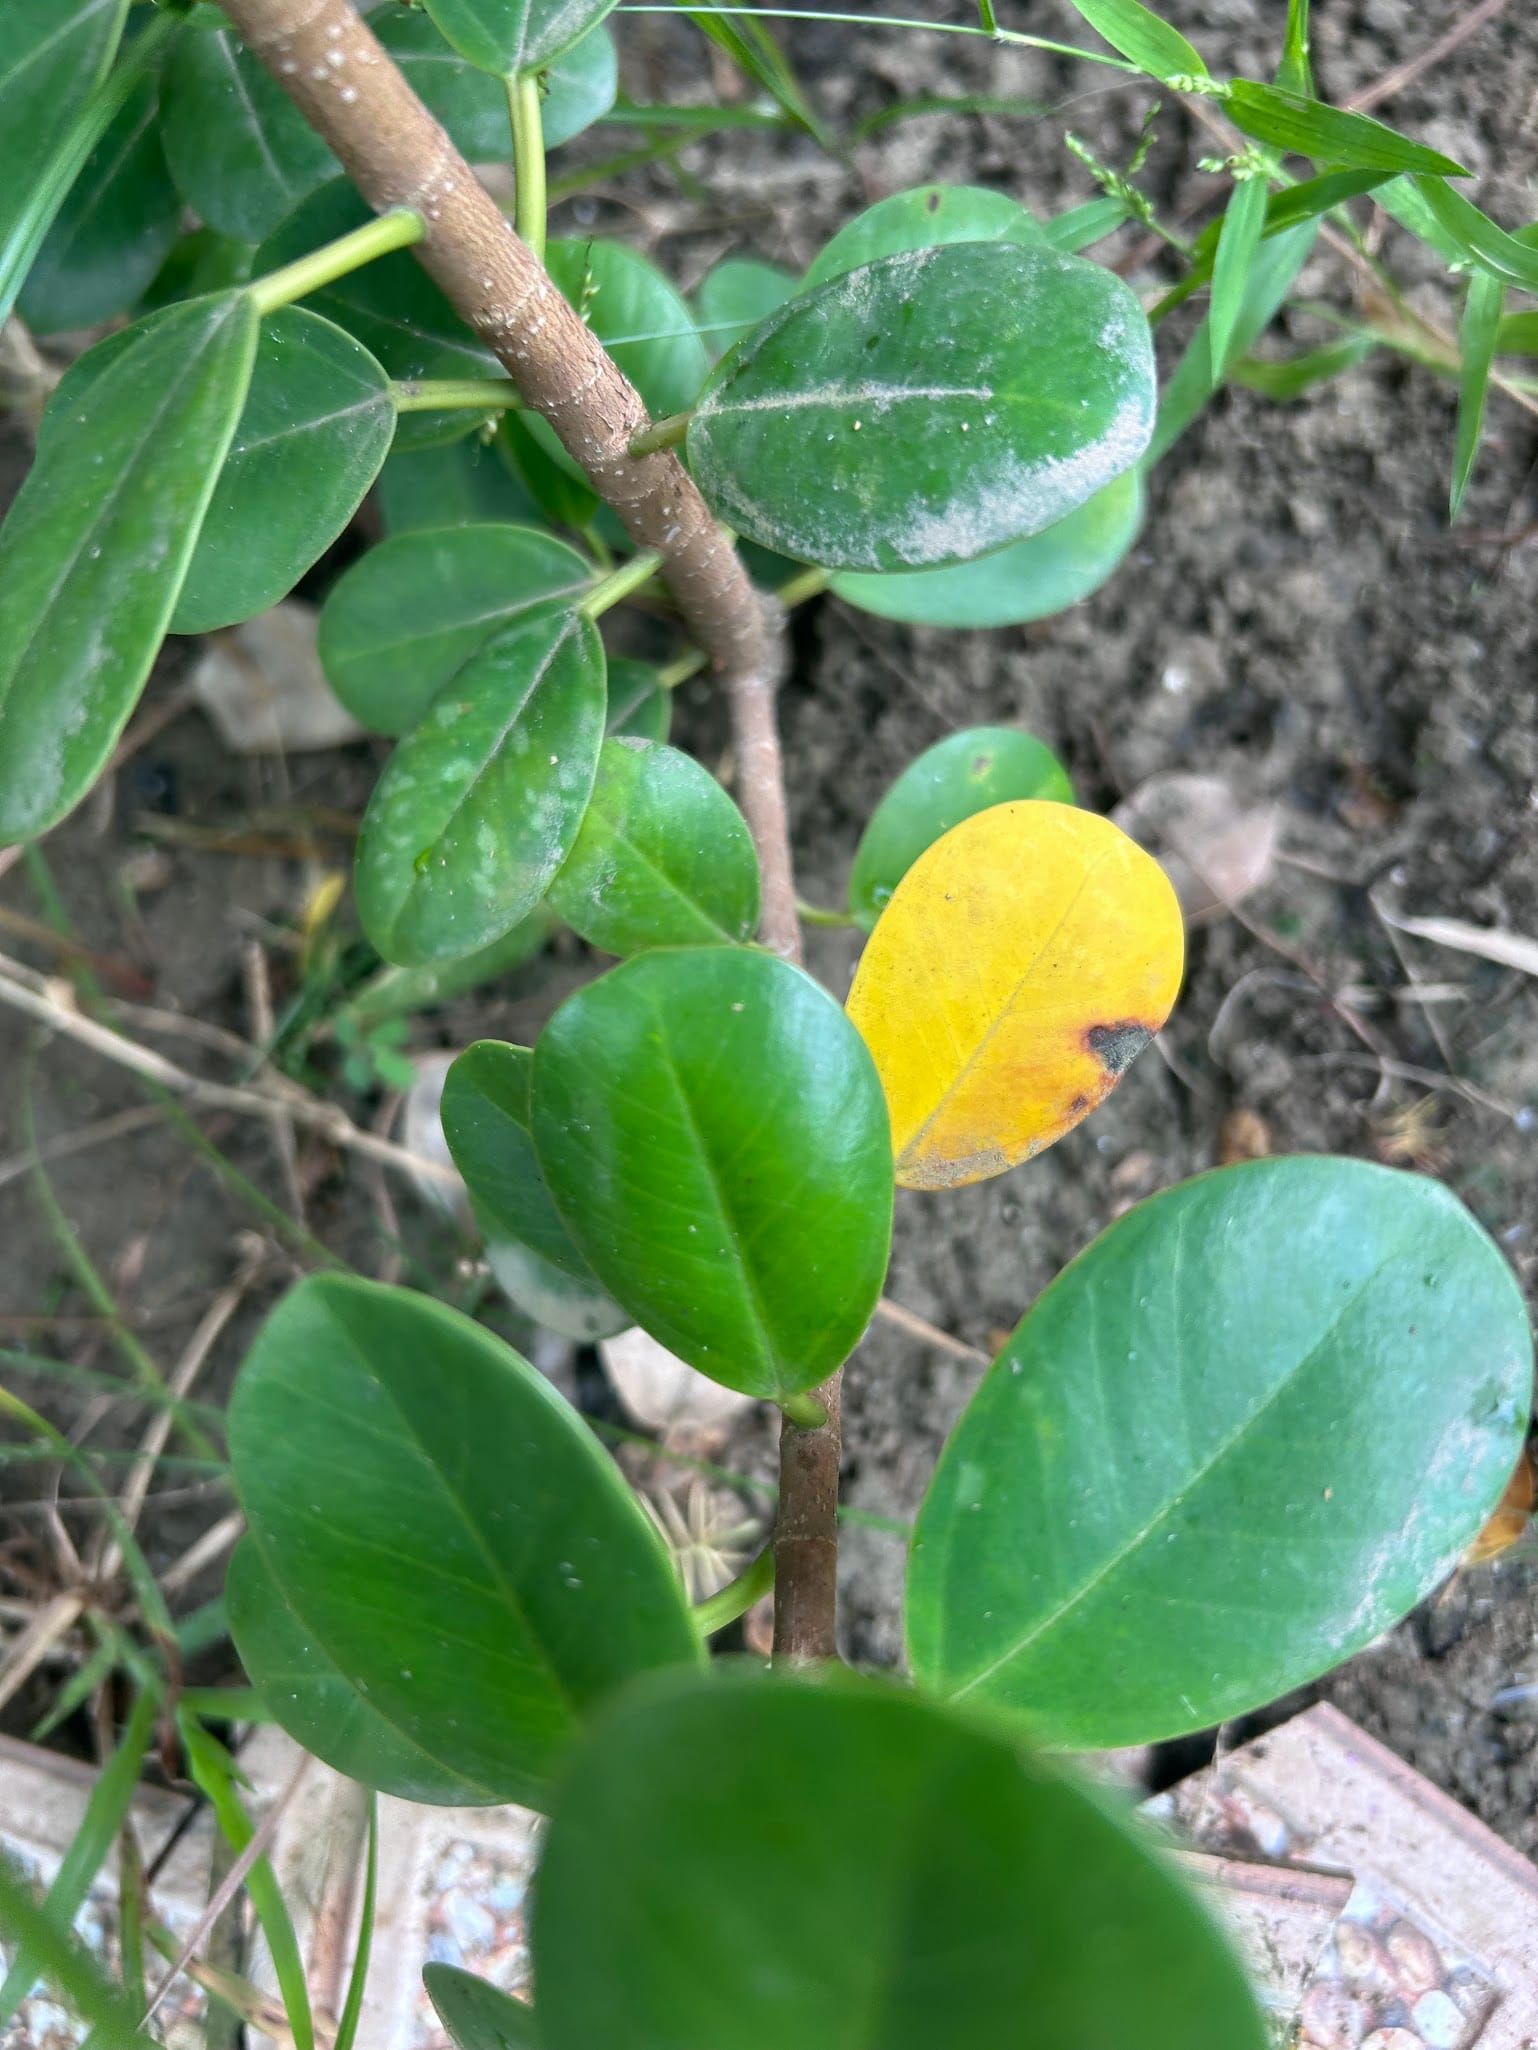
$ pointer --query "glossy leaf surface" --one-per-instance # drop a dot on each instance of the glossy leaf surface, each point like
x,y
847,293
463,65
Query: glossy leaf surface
x,y
1030,579
923,218
1249,1428
480,804
486,1114
390,305
640,704
52,52
736,296
848,1867
1023,963
947,401
470,103
309,1692
112,233
579,87
94,548
478,2015
454,484
966,772
663,858
714,1135
511,36
240,151
316,428
450,1539
411,613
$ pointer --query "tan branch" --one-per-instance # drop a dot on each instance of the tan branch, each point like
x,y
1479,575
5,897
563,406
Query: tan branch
x,y
330,63
333,67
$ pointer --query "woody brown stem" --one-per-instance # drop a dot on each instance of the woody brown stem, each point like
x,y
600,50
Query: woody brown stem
x,y
332,66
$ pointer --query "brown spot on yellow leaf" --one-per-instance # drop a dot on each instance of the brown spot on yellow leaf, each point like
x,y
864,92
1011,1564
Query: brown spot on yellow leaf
x,y
1023,962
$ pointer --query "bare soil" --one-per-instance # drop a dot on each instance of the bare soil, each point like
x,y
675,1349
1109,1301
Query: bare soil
x,y
1297,618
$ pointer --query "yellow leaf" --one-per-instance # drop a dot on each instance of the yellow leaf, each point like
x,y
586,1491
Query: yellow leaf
x,y
1026,958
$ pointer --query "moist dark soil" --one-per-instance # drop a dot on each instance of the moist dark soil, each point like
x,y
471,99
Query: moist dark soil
x,y
1297,618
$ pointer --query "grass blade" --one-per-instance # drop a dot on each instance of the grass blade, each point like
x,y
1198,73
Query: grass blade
x,y
352,2005
1243,224
1477,336
88,1850
214,1771
1143,38
66,1966
1295,73
1293,121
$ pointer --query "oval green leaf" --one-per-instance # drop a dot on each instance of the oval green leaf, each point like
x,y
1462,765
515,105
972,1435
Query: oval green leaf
x,y
734,297
400,992
240,151
1028,580
312,435
754,1862
1254,1424
542,467
512,36
640,703
450,1539
316,427
966,772
309,1692
714,1134
114,229
924,218
472,104
639,315
641,318
480,804
52,52
663,857
408,615
391,306
454,484
947,401
580,87
94,548
485,1112
478,2015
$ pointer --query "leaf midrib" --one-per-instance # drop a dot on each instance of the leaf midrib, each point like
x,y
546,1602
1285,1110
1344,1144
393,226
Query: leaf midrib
x,y
1177,1500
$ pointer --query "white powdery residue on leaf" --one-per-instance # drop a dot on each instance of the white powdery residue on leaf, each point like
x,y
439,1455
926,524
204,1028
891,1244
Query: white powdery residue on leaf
x,y
1010,500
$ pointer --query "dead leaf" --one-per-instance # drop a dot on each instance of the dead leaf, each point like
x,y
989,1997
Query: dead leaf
x,y
1215,846
663,1393
1025,960
262,685
1511,1516
1245,1136
1490,943
421,1131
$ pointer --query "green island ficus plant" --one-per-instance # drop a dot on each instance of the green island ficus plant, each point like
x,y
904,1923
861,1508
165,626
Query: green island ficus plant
x,y
1246,1429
